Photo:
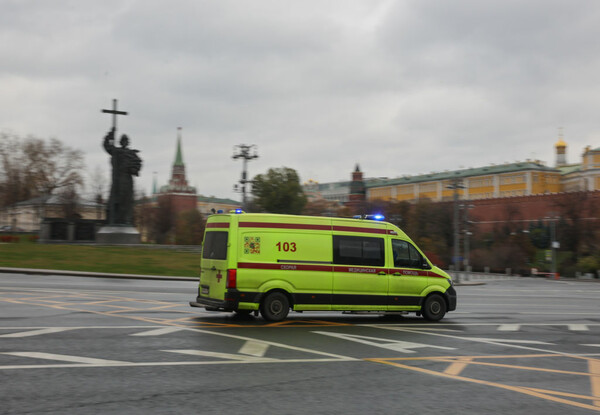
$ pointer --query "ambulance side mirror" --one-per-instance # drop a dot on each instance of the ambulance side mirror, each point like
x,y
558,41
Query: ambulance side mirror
x,y
425,264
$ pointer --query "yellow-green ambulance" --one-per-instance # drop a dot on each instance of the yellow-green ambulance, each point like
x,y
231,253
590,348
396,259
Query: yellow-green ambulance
x,y
274,263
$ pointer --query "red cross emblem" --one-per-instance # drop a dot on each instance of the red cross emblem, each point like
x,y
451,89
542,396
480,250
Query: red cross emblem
x,y
219,276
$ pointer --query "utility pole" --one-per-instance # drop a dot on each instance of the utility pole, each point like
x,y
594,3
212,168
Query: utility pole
x,y
243,151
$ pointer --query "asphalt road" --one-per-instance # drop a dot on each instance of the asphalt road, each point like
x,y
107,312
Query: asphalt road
x,y
89,345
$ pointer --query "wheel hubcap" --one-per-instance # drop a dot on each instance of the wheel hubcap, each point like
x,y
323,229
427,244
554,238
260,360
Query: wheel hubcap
x,y
276,307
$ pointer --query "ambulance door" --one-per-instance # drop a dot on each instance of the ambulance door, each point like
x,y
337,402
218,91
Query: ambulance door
x,y
408,276
213,267
360,279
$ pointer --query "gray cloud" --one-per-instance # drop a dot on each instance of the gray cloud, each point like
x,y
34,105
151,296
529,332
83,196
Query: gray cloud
x,y
401,87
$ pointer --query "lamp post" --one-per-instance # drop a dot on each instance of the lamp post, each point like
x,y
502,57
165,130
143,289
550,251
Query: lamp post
x,y
554,244
467,233
243,151
456,184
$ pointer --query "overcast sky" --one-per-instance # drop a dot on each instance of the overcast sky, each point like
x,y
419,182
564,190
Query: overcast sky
x,y
400,87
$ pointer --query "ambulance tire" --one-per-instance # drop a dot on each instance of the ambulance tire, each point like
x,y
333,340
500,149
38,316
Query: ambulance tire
x,y
275,306
434,307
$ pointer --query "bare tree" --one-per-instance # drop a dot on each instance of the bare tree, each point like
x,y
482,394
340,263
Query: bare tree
x,y
33,167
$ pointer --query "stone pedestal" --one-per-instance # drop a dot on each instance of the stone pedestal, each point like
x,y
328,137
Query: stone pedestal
x,y
117,235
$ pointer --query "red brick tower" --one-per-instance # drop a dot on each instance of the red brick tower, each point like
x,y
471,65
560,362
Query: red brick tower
x,y
357,196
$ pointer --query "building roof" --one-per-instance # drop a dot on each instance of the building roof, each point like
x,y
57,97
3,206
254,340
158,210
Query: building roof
x,y
53,200
460,174
569,168
212,199
560,143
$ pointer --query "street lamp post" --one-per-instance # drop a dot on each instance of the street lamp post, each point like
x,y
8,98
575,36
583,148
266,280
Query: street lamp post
x,y
243,151
456,184
467,235
554,243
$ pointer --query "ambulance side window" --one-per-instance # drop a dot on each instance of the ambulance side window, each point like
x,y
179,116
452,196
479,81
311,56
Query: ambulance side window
x,y
406,255
215,245
358,250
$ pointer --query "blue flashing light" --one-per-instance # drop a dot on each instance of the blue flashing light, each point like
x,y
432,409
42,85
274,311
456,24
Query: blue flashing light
x,y
238,211
220,211
377,217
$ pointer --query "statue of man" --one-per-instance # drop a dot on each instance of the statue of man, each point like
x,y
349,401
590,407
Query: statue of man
x,y
125,164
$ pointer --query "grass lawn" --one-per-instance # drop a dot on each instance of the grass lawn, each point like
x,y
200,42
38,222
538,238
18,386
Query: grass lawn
x,y
120,260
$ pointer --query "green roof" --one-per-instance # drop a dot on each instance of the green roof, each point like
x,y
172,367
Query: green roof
x,y
568,169
212,199
460,174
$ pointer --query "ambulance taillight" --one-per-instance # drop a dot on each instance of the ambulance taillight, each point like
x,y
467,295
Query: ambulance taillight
x,y
231,278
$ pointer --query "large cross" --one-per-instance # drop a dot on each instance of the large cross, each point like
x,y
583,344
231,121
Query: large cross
x,y
114,113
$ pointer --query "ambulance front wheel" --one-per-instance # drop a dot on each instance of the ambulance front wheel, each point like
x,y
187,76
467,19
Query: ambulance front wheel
x,y
275,306
434,307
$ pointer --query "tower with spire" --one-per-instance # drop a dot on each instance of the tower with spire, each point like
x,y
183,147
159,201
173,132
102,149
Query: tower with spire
x,y
181,196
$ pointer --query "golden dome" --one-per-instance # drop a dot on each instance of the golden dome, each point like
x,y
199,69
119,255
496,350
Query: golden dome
x,y
560,143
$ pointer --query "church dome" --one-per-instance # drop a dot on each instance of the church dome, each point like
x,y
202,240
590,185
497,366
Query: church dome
x,y
560,143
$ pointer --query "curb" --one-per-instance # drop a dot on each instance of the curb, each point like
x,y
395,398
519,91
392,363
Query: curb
x,y
33,271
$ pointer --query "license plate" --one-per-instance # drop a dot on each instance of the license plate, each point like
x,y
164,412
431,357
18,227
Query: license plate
x,y
205,290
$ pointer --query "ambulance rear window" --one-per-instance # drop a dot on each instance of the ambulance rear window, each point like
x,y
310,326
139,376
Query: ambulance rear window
x,y
215,245
358,250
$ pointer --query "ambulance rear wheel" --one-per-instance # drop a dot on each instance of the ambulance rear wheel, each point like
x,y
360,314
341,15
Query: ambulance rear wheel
x,y
434,307
275,306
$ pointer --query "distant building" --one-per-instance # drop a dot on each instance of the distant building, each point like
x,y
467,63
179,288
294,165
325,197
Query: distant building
x,y
584,176
341,192
506,180
527,178
27,216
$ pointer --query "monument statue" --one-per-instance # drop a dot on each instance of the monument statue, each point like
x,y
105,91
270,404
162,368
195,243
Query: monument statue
x,y
125,164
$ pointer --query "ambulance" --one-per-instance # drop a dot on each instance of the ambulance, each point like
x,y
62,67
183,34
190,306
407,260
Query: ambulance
x,y
268,263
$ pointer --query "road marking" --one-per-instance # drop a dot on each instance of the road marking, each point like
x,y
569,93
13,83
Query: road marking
x,y
578,327
67,358
509,327
594,367
36,332
254,348
527,391
501,341
284,346
159,332
458,366
219,355
591,345
395,345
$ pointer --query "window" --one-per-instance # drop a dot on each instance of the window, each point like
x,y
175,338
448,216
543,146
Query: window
x,y
215,245
357,250
406,255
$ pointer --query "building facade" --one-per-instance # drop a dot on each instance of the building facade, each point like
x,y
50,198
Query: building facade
x,y
496,181
27,216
